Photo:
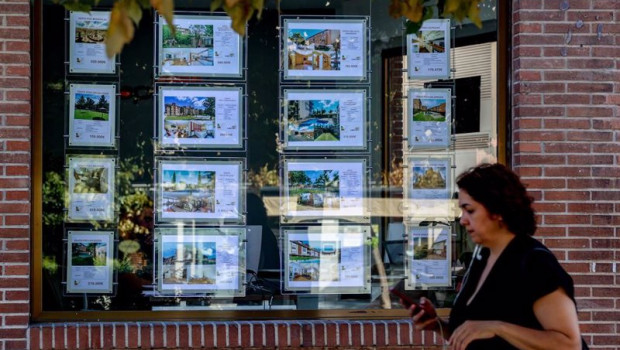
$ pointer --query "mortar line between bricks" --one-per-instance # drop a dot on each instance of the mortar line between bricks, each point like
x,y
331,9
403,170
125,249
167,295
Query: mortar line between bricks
x,y
126,335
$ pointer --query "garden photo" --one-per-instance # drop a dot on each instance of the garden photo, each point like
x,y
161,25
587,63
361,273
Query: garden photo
x,y
188,191
315,189
314,261
189,45
89,254
313,49
429,110
313,120
189,117
189,263
89,106
90,180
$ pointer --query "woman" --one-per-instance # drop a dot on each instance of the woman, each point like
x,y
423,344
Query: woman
x,y
515,294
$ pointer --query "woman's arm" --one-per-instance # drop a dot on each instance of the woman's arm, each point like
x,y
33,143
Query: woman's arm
x,y
556,313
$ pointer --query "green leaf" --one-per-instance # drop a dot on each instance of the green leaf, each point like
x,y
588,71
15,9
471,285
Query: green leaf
x,y
134,11
77,6
216,4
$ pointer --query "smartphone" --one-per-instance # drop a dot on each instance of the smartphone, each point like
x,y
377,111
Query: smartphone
x,y
404,297
429,311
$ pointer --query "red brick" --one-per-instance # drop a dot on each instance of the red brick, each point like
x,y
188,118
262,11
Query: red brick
x,y
567,124
16,295
22,71
158,336
120,340
171,336
590,87
184,337
59,337
541,207
15,320
11,220
15,120
569,219
83,342
145,336
7,307
108,335
10,257
567,148
567,195
596,112
14,183
527,147
270,335
18,46
17,195
196,339
72,332
590,207
599,136
541,111
15,344
17,170
96,332
14,108
222,338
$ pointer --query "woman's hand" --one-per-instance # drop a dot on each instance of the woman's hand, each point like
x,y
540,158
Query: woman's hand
x,y
421,318
470,331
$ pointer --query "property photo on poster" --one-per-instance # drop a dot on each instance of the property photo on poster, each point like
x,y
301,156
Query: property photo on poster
x,y
428,186
324,188
89,261
92,115
201,260
87,34
199,46
429,256
206,191
200,117
327,259
90,188
429,118
428,51
325,119
327,49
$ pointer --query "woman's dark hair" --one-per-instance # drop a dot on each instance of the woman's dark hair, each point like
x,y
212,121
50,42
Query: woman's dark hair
x,y
502,193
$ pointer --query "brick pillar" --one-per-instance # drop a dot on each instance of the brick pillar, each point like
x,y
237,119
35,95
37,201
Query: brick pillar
x,y
14,173
566,86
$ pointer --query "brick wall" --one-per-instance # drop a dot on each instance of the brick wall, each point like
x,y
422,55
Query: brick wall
x,y
14,172
566,86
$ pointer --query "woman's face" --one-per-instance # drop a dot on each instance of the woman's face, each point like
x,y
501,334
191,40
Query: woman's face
x,y
479,223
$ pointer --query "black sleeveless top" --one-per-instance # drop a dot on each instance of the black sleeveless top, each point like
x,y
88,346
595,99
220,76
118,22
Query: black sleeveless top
x,y
524,272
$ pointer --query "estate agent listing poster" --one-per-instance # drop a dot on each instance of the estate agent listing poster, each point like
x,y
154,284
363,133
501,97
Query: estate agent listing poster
x,y
428,186
325,188
428,51
201,261
200,46
429,118
429,257
200,117
92,115
90,261
325,119
327,260
91,188
206,191
87,33
325,49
